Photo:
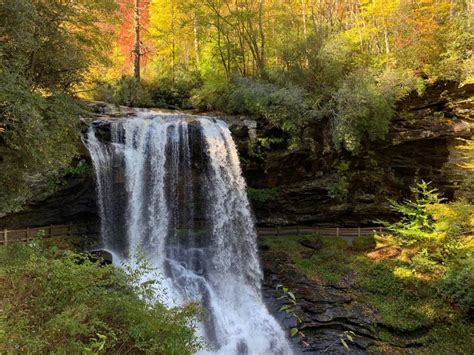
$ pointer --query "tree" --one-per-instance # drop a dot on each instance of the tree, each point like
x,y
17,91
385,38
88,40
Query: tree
x,y
45,52
131,35
137,47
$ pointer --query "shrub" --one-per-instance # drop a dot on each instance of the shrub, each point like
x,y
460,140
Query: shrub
x,y
452,219
286,107
339,187
426,261
458,285
396,84
174,93
417,223
40,138
62,302
262,195
364,243
212,95
126,91
362,113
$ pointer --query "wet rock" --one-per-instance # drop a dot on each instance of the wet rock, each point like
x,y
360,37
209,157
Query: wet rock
x,y
311,245
102,256
328,311
74,202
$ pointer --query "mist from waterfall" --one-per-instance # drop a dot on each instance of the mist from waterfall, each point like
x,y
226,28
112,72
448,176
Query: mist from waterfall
x,y
171,186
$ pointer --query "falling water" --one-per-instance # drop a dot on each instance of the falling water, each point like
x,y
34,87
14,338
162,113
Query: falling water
x,y
171,186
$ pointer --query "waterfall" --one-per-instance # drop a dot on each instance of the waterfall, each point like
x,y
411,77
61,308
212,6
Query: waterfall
x,y
171,186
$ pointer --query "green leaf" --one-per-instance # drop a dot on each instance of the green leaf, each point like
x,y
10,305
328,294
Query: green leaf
x,y
294,331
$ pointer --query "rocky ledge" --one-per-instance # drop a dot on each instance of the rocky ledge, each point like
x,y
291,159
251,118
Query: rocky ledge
x,y
326,310
317,185
314,184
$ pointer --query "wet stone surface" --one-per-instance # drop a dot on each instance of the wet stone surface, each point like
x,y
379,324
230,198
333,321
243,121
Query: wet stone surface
x,y
327,311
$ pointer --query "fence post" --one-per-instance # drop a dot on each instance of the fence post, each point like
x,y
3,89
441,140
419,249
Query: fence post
x,y
5,237
278,231
297,230
69,229
50,230
380,230
27,234
358,231
337,232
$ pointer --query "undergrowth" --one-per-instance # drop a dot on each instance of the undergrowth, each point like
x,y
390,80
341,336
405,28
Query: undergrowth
x,y
413,309
61,302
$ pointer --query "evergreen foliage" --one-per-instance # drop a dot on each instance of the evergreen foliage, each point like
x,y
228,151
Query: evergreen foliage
x,y
417,223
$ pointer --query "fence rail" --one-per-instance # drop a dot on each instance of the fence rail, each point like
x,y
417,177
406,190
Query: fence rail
x,y
23,235
324,231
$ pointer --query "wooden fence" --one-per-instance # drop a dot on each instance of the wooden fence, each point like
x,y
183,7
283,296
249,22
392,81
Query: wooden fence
x,y
24,235
324,231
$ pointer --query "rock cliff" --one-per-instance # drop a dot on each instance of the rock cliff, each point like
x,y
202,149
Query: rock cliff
x,y
315,184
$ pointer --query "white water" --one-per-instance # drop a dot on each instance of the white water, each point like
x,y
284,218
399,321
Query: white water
x,y
171,186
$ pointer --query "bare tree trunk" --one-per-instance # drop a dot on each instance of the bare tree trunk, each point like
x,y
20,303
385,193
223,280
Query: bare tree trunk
x,y
173,42
303,10
387,42
305,33
261,64
136,50
196,40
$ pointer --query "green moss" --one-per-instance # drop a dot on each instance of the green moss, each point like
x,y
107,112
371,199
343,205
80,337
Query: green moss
x,y
362,243
328,264
263,195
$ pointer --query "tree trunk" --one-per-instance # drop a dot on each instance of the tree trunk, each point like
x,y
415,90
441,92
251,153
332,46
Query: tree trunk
x,y
196,40
136,50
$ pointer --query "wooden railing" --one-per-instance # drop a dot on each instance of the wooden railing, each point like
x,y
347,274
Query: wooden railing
x,y
324,231
24,235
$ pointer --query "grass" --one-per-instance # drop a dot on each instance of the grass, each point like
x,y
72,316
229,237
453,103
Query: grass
x,y
328,264
412,312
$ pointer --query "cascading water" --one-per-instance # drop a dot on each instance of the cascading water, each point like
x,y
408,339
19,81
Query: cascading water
x,y
171,186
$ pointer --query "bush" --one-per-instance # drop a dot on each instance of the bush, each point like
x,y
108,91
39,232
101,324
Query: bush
x,y
362,113
126,91
177,93
262,195
62,302
458,285
288,108
452,219
212,95
41,137
364,243
417,223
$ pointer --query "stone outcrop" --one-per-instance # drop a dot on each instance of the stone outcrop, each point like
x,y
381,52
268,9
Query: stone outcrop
x,y
326,310
314,184
74,202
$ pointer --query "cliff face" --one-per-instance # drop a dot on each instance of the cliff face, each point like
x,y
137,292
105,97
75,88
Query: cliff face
x,y
315,184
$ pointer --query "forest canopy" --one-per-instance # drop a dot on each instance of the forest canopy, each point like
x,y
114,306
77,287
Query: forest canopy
x,y
268,58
